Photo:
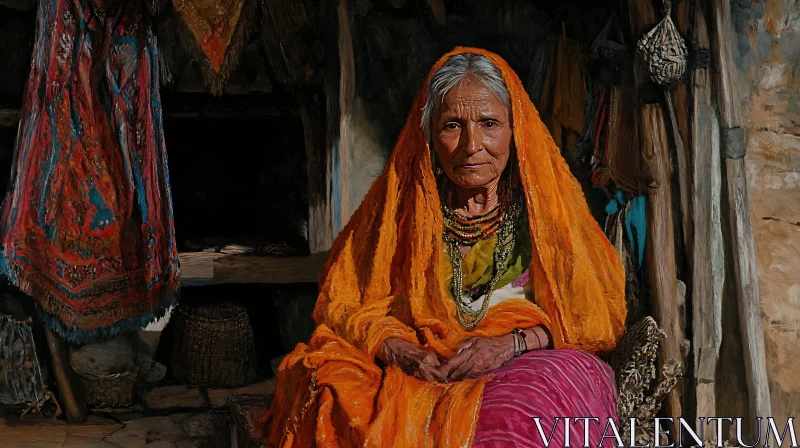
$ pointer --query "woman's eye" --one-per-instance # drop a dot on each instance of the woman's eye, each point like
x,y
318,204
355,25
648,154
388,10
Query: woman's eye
x,y
490,124
451,126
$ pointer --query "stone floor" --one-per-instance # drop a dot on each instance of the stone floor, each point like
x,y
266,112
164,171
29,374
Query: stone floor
x,y
169,417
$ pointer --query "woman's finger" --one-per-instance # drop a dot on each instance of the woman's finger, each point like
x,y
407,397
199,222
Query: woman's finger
x,y
461,370
428,373
480,362
431,359
474,372
479,368
455,361
466,344
440,376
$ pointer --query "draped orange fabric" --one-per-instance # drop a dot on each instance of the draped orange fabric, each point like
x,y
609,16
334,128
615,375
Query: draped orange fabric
x,y
384,279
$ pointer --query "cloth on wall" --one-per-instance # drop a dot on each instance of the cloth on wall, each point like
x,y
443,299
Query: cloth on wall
x,y
87,226
213,34
626,230
614,156
565,96
609,137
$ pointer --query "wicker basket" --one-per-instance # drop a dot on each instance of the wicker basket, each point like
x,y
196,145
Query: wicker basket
x,y
110,391
214,346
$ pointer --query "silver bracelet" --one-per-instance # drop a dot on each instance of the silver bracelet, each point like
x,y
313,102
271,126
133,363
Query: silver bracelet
x,y
520,345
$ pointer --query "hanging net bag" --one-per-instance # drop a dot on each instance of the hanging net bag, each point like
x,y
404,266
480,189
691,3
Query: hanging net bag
x,y
664,50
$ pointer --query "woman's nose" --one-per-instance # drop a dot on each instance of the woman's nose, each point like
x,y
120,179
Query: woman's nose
x,y
471,140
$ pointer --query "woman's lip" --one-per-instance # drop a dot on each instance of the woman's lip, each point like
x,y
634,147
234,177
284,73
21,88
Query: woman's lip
x,y
471,165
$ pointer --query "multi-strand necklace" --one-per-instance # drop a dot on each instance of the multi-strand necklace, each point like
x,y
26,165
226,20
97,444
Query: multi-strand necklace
x,y
468,231
462,231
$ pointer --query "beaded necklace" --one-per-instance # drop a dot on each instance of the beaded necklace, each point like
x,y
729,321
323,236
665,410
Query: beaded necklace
x,y
469,231
464,232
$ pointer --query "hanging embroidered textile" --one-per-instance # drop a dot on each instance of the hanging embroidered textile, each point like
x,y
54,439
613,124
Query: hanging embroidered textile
x,y
608,142
213,32
87,224
614,158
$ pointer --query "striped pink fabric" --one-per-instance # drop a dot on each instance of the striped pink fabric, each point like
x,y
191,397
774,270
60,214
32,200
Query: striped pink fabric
x,y
547,384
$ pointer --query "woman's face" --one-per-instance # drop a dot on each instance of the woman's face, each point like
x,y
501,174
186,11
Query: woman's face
x,y
471,134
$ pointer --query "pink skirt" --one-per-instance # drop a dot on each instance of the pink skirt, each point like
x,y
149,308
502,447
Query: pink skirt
x,y
553,386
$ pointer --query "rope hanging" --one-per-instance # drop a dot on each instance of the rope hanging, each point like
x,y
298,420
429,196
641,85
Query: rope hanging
x,y
664,50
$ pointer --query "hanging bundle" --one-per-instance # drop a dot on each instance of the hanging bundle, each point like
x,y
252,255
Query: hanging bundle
x,y
664,50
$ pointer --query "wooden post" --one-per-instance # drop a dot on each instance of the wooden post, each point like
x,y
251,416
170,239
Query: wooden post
x,y
660,230
733,146
347,91
705,317
684,179
74,407
676,101
320,220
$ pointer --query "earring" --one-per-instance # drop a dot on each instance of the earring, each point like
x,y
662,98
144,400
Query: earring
x,y
438,171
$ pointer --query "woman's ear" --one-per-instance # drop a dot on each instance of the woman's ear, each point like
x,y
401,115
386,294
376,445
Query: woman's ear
x,y
435,165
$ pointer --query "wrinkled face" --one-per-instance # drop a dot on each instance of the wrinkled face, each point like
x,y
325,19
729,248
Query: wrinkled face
x,y
471,134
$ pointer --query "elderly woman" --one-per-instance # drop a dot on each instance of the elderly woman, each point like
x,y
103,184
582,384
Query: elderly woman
x,y
467,294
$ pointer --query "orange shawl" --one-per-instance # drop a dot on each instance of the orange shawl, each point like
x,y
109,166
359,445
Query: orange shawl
x,y
384,279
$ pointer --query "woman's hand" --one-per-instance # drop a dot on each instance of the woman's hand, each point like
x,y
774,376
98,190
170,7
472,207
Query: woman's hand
x,y
411,359
477,357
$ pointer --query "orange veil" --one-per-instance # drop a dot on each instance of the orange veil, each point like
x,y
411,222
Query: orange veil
x,y
384,279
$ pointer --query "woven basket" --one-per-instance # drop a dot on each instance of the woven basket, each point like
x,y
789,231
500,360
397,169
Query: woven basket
x,y
214,346
641,386
110,391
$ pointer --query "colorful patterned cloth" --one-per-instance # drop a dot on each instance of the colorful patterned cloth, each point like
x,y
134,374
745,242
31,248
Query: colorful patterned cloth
x,y
87,226
547,384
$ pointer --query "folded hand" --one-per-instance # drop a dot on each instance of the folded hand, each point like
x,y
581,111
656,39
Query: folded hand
x,y
412,360
477,357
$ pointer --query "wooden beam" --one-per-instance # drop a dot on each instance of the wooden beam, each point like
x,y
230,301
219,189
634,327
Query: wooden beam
x,y
661,243
682,170
318,168
704,263
677,102
733,146
208,268
68,387
730,113
347,93
660,231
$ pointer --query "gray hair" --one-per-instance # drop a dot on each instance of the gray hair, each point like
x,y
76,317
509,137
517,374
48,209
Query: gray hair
x,y
455,70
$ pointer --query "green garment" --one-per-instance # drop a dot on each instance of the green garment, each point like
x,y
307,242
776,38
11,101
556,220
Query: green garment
x,y
477,264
